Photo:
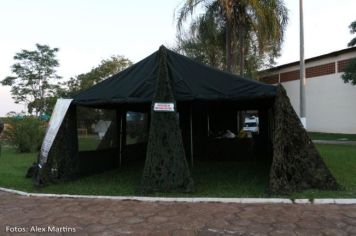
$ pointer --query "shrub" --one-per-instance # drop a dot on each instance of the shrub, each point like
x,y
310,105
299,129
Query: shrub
x,y
1,129
25,133
350,73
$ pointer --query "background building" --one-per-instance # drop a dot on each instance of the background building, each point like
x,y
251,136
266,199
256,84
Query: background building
x,y
330,103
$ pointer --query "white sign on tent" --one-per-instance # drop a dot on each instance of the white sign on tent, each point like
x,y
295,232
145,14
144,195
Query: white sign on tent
x,y
164,106
59,112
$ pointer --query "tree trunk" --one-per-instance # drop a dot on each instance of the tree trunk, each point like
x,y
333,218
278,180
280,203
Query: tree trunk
x,y
228,45
241,32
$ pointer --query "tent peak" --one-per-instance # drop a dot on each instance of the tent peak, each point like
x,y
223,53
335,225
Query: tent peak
x,y
162,47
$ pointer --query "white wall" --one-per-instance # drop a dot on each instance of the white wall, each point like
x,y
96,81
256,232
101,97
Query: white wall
x,y
292,88
331,104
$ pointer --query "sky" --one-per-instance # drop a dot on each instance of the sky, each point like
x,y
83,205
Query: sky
x,y
88,31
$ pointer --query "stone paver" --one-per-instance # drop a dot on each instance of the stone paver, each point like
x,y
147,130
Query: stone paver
x,y
113,217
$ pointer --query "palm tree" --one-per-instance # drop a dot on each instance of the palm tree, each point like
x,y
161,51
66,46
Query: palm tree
x,y
256,23
204,40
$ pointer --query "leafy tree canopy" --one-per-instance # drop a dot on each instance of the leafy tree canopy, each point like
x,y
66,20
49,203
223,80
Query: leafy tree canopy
x,y
352,31
34,76
350,71
205,39
105,69
250,33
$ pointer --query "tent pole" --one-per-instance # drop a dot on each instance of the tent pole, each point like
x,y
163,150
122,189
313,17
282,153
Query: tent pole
x,y
191,135
208,121
123,135
74,136
118,137
237,123
120,151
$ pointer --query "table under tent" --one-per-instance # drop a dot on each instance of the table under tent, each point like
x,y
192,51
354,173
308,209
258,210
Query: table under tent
x,y
202,103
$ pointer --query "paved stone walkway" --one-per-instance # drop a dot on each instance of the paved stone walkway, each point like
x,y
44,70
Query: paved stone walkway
x,y
112,217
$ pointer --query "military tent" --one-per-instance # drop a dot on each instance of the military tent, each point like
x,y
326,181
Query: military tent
x,y
187,104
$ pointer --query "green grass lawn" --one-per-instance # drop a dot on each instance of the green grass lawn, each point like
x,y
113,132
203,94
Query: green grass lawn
x,y
13,167
212,179
328,136
90,142
341,160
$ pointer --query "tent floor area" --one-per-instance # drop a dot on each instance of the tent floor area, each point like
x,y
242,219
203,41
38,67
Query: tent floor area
x,y
211,178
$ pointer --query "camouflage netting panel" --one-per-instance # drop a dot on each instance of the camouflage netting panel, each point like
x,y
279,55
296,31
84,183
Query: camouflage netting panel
x,y
296,164
62,158
166,168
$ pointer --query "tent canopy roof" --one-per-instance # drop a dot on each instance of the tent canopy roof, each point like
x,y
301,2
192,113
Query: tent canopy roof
x,y
191,81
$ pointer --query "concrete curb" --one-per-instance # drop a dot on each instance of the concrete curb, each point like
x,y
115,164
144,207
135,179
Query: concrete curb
x,y
302,201
337,142
189,200
14,191
343,201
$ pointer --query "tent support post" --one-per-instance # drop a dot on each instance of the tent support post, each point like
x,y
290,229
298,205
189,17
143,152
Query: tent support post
x,y
120,137
148,122
237,123
123,135
73,143
208,122
191,135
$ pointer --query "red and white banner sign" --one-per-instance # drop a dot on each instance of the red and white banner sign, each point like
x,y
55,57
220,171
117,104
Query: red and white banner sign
x,y
167,107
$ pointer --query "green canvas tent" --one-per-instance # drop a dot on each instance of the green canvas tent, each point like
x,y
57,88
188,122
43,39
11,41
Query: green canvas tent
x,y
191,81
204,100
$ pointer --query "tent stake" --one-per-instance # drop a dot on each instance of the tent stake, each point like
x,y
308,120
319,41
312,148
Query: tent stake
x,y
191,136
